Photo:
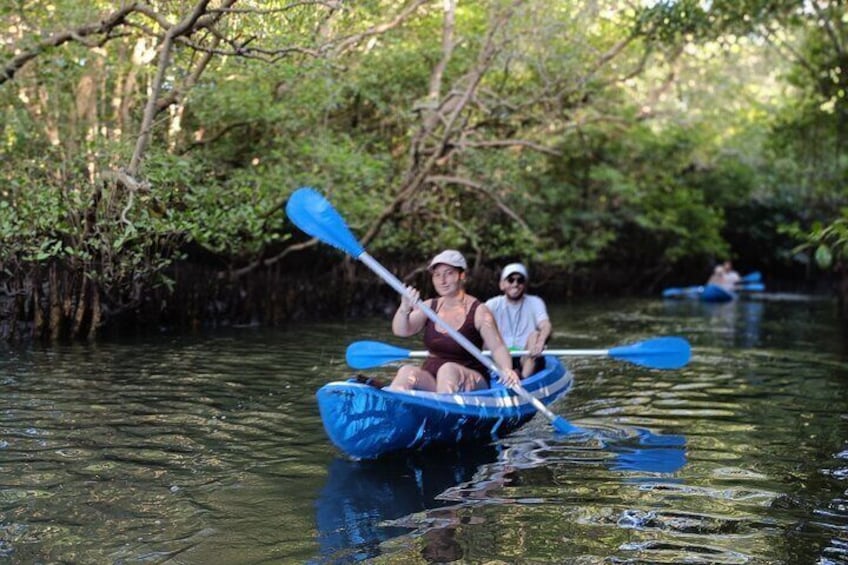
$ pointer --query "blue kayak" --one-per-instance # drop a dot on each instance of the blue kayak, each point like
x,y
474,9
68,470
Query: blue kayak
x,y
366,422
705,293
715,293
752,282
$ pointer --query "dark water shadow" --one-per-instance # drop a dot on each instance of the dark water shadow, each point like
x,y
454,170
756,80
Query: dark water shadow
x,y
366,503
361,502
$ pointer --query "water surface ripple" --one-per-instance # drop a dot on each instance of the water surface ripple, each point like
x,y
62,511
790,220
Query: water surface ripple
x,y
210,449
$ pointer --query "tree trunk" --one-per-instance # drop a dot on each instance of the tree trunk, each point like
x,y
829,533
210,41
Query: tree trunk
x,y
55,319
95,311
82,304
37,306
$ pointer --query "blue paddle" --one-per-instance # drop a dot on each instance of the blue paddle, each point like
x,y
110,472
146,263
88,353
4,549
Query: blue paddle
x,y
656,353
752,277
689,291
314,214
752,287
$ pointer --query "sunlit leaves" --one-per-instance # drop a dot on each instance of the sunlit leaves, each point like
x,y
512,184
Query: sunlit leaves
x,y
591,122
824,256
828,242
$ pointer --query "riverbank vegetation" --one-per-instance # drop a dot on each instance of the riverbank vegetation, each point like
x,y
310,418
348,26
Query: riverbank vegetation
x,y
148,149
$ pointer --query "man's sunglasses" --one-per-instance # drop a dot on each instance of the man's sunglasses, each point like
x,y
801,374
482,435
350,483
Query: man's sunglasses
x,y
515,279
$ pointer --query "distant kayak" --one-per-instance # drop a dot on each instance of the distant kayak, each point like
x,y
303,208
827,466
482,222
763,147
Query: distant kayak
x,y
704,293
714,292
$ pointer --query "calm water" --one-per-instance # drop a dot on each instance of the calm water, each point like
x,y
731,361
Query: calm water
x,y
209,449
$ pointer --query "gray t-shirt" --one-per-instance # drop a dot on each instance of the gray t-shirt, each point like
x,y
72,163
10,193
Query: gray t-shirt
x,y
517,321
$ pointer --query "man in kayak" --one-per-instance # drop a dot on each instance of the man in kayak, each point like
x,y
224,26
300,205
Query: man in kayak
x,y
522,319
449,367
725,276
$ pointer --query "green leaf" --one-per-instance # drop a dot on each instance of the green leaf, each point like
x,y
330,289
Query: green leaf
x,y
824,257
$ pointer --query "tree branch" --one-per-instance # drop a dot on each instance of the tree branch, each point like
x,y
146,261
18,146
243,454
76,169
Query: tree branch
x,y
445,116
104,26
479,187
186,26
237,273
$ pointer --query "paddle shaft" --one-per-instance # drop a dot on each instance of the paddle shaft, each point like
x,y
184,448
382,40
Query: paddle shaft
x,y
520,352
396,284
656,353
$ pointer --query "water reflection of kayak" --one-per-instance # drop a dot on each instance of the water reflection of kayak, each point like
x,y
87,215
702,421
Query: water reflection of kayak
x,y
368,422
365,503
357,508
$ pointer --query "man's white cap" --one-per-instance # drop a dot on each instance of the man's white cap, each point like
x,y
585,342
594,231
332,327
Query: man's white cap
x,y
513,268
450,257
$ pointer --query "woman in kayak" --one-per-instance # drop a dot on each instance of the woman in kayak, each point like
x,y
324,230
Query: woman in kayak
x,y
449,367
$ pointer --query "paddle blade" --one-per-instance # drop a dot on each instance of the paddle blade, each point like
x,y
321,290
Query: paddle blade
x,y
563,426
369,354
656,353
688,291
752,277
753,287
653,453
314,214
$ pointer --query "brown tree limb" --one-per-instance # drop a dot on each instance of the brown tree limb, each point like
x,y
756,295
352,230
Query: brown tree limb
x,y
191,80
79,34
186,25
237,273
512,143
479,187
355,39
445,117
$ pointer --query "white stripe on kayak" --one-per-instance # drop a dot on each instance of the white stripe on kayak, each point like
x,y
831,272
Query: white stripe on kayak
x,y
504,400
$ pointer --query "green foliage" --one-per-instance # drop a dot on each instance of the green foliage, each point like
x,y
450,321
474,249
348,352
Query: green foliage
x,y
671,22
827,242
595,132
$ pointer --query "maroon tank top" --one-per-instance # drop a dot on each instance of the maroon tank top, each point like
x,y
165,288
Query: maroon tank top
x,y
444,349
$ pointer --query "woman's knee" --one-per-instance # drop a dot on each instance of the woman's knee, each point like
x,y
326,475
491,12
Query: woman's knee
x,y
406,378
454,377
410,377
448,378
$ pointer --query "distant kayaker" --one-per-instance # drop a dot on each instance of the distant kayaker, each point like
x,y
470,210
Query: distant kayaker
x,y
449,367
725,276
522,319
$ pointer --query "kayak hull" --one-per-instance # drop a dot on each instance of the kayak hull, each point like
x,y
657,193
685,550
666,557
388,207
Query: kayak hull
x,y
366,422
715,293
705,293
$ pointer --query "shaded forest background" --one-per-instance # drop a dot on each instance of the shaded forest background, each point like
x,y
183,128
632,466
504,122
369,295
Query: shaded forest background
x,y
148,149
